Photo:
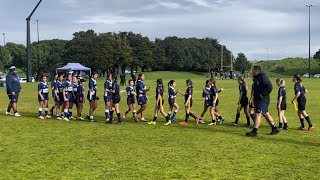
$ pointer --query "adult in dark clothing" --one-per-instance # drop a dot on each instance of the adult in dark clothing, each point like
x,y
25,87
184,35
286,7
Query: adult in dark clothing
x,y
262,88
13,90
133,77
123,79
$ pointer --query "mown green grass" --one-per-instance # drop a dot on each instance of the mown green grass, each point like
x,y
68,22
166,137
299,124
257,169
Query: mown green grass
x,y
51,149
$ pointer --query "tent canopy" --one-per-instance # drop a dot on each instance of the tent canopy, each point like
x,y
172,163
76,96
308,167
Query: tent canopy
x,y
74,67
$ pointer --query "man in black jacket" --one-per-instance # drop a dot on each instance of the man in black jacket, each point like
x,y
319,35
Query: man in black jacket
x,y
262,88
13,90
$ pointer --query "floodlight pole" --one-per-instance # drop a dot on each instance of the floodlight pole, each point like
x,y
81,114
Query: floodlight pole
x,y
29,70
309,6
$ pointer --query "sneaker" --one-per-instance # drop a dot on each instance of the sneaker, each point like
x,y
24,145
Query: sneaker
x,y
143,120
183,123
123,117
197,120
252,134
168,123
88,117
174,120
107,120
9,114
301,129
71,118
311,128
234,124
212,124
93,120
274,131
41,117
201,121
80,118
59,118
47,117
16,114
65,119
246,125
152,123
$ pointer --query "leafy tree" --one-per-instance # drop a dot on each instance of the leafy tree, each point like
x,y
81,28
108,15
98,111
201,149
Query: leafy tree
x,y
5,58
18,54
241,63
317,55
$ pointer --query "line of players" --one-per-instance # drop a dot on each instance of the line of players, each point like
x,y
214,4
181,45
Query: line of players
x,y
71,92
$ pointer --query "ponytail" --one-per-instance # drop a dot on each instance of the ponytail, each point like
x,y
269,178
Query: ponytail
x,y
297,77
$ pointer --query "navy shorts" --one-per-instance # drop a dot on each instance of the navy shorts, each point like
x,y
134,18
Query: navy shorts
x,y
302,101
69,97
244,101
116,98
208,103
261,107
131,100
283,106
171,102
14,98
45,96
92,98
107,98
142,100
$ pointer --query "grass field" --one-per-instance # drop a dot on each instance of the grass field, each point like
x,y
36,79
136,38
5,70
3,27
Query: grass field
x,y
51,149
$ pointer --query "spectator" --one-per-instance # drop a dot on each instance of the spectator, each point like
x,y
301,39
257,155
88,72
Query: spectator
x,y
13,90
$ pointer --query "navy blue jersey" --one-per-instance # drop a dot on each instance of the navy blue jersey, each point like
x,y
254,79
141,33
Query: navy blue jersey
x,y
59,87
243,90
188,93
108,85
213,91
172,93
262,88
130,91
116,88
68,86
12,84
43,88
75,88
299,88
80,91
93,85
159,91
206,94
140,86
282,93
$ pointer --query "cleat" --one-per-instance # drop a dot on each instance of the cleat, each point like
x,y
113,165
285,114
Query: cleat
x,y
16,115
65,119
301,129
212,124
246,125
88,117
311,129
197,120
41,117
143,120
93,120
9,114
201,121
274,131
59,118
80,118
123,117
183,123
234,124
71,118
152,123
174,120
252,134
168,123
47,117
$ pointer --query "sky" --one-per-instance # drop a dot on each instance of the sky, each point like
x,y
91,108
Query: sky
x,y
261,29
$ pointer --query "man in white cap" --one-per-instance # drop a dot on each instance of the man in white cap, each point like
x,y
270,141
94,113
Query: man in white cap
x,y
13,90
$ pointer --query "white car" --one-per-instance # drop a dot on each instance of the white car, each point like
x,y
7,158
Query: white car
x,y
24,80
316,76
306,75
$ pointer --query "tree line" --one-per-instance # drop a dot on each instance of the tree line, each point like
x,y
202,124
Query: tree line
x,y
108,52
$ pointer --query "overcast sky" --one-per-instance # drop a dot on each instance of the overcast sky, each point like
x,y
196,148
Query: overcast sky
x,y
253,27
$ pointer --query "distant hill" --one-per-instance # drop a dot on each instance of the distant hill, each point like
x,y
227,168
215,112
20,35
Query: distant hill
x,y
289,66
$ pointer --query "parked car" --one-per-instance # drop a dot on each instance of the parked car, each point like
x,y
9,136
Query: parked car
x,y
306,75
316,76
24,79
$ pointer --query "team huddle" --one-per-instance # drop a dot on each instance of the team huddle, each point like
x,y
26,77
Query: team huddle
x,y
69,92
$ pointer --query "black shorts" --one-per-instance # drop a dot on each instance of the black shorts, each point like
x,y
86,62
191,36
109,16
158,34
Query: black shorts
x,y
261,107
302,101
244,101
283,106
116,98
171,101
13,98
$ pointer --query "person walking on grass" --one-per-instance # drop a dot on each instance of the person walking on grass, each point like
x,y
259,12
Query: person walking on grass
x,y
188,103
261,94
43,97
13,90
92,96
172,100
282,104
242,102
300,92
159,104
131,102
142,98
